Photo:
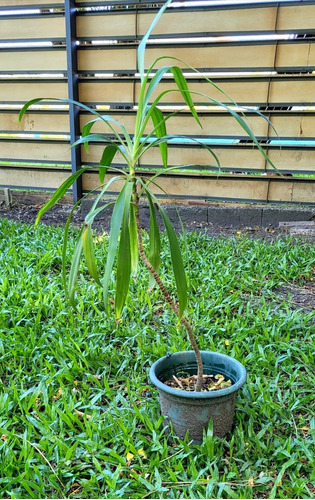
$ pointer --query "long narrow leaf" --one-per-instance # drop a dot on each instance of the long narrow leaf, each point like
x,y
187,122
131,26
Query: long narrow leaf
x,y
182,85
177,263
142,45
93,111
116,221
59,193
168,138
124,259
134,247
95,209
88,250
109,120
160,128
106,160
154,240
155,80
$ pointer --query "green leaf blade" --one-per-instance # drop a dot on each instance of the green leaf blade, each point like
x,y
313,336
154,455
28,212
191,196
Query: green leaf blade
x,y
116,223
134,247
123,263
59,193
160,130
154,255
177,263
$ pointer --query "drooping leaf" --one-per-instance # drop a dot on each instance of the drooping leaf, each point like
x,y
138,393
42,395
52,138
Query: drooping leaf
x,y
154,255
155,80
134,247
88,250
160,130
59,193
96,209
182,85
123,261
177,263
115,227
106,160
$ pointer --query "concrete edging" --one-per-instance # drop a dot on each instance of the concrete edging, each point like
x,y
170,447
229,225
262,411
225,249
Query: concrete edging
x,y
231,215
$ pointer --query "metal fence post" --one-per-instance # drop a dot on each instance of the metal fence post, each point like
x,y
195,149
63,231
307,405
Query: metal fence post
x,y
73,92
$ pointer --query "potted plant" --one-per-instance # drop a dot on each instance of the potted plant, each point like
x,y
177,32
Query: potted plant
x,y
183,407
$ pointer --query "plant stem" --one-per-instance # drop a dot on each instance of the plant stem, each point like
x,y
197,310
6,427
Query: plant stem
x,y
168,298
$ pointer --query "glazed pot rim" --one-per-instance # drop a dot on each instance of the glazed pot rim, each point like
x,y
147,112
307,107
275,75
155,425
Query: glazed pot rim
x,y
202,394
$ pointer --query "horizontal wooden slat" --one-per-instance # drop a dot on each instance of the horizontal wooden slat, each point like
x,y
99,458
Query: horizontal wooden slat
x,y
296,17
214,21
20,3
108,92
293,160
233,20
186,125
290,55
35,122
298,91
32,179
32,28
232,158
293,126
107,60
248,92
227,188
286,125
212,187
24,91
212,58
107,25
41,60
41,151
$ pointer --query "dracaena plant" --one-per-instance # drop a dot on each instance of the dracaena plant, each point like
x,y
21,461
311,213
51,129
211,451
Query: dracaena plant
x,y
125,239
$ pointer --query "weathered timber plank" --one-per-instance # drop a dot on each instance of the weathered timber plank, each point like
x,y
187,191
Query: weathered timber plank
x,y
41,60
34,27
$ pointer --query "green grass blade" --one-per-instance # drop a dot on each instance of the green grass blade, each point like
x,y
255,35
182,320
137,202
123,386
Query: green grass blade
x,y
64,246
177,263
74,269
88,250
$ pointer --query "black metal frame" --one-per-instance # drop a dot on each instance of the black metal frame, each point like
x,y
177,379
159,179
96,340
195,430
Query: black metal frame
x,y
73,93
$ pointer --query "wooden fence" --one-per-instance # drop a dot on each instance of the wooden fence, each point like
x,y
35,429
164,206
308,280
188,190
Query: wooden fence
x,y
262,54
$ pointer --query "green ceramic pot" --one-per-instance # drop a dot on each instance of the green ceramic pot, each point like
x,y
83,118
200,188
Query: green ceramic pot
x,y
192,410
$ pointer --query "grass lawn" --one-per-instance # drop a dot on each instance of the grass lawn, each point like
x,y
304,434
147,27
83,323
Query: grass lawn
x,y
78,415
